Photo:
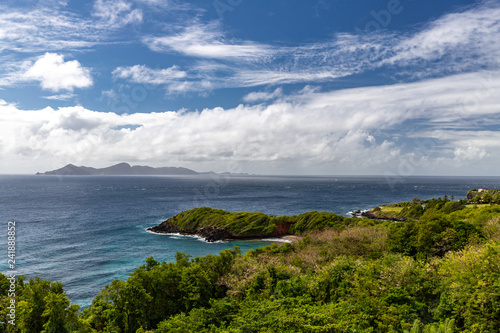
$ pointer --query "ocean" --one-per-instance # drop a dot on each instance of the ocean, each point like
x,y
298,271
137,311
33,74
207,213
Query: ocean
x,y
87,231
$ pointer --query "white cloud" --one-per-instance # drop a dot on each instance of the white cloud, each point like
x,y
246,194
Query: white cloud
x,y
169,5
353,131
55,74
252,78
35,30
60,97
154,2
160,4
247,135
207,41
470,153
472,34
237,63
143,74
263,95
42,29
116,13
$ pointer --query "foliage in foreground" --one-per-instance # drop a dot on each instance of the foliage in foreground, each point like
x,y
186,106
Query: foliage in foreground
x,y
41,306
440,273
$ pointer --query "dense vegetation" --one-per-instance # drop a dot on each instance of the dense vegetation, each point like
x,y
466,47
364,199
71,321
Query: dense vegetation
x,y
438,271
484,196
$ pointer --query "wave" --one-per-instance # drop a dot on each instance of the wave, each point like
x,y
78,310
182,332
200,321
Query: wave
x,y
276,239
176,235
357,213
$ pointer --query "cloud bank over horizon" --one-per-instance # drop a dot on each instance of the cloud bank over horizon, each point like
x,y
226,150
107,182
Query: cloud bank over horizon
x,y
351,131
178,84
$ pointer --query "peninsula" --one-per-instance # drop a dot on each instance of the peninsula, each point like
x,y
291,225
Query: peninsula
x,y
217,224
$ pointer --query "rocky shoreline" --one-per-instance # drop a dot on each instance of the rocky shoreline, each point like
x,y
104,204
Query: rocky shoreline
x,y
370,215
210,234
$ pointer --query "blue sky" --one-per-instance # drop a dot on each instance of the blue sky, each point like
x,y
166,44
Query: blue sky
x,y
385,87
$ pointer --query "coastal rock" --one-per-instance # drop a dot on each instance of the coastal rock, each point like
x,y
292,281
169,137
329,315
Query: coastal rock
x,y
214,234
166,227
282,229
357,213
210,234
370,215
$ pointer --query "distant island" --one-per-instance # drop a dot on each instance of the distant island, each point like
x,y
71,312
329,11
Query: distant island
x,y
121,169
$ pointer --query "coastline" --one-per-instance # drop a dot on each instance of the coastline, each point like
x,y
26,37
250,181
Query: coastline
x,y
274,239
279,239
289,238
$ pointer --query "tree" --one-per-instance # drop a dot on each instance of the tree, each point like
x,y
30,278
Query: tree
x,y
470,288
31,303
56,308
476,199
496,198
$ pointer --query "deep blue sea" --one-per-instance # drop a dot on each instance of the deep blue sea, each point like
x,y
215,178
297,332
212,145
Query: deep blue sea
x,y
87,231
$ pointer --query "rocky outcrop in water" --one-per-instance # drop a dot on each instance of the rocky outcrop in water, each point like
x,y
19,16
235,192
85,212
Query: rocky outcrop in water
x,y
370,214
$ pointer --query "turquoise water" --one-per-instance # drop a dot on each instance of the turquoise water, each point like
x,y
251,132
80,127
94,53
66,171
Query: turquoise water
x,y
87,231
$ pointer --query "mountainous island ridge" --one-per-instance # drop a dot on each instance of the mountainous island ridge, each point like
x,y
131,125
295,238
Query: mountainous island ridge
x,y
120,169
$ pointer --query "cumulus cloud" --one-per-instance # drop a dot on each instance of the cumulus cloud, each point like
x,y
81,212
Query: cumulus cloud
x,y
213,137
470,153
341,132
55,74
